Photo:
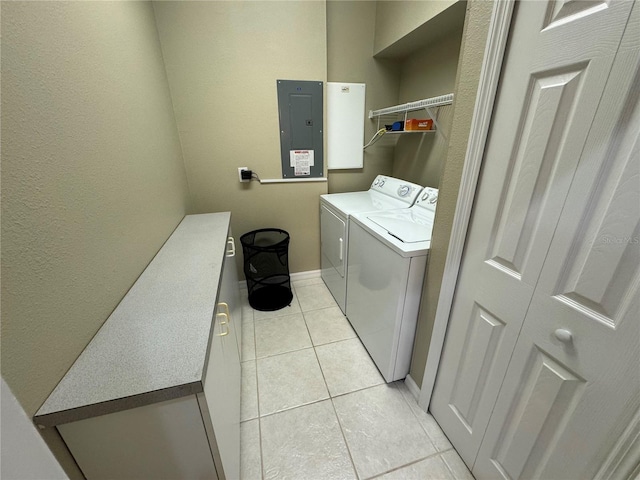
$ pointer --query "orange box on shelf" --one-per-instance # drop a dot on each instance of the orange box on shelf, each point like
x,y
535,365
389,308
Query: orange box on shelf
x,y
414,124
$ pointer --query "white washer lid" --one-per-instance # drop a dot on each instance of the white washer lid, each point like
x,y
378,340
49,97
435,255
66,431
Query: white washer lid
x,y
404,229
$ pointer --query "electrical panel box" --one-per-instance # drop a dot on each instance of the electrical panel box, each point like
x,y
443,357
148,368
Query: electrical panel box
x,y
300,112
345,125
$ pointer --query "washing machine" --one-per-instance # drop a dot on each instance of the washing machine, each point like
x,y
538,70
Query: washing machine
x,y
385,194
386,266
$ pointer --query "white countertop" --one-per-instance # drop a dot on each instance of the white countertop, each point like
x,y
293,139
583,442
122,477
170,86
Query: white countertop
x,y
153,347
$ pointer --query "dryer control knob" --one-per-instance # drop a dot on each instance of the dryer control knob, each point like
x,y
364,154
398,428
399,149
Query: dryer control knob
x,y
404,190
425,195
382,182
376,181
433,200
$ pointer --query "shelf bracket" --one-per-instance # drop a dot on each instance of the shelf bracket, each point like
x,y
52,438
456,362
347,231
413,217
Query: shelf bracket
x,y
435,122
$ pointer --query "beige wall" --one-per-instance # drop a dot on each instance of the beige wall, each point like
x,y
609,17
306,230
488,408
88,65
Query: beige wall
x,y
93,181
472,52
427,73
396,19
349,59
222,61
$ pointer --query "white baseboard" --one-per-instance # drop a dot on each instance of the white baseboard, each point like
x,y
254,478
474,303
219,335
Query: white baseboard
x,y
295,277
412,386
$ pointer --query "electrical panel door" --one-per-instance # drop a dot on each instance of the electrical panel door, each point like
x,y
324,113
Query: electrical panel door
x,y
300,113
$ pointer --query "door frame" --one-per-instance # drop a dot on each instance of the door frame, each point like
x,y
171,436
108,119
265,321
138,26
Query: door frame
x,y
490,71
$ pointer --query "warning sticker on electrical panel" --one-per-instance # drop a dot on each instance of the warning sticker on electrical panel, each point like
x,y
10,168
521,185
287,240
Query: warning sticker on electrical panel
x,y
301,161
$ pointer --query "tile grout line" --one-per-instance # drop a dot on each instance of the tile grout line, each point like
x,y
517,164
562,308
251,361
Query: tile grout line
x,y
418,420
344,438
262,472
450,468
439,452
255,359
435,454
395,469
324,399
284,353
447,466
322,307
332,397
258,402
305,348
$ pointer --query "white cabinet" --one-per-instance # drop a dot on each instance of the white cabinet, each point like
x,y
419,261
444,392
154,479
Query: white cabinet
x,y
191,430
166,440
221,398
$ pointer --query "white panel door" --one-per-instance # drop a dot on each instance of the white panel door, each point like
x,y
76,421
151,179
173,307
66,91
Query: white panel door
x,y
573,384
557,64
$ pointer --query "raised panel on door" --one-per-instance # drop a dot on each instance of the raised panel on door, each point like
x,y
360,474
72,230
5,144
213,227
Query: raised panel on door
x,y
573,386
562,407
555,71
533,409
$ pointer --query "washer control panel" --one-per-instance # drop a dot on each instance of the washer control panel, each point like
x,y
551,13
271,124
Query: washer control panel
x,y
404,190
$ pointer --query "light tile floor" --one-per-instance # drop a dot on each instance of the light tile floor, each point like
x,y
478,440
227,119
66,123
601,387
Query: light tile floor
x,y
314,406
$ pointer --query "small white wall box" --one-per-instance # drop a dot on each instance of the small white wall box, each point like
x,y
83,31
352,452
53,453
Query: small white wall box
x,y
345,125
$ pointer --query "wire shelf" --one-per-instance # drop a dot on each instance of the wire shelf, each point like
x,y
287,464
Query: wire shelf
x,y
417,105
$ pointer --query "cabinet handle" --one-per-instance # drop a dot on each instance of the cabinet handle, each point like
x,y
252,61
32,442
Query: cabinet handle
x,y
565,336
231,252
226,307
341,243
223,323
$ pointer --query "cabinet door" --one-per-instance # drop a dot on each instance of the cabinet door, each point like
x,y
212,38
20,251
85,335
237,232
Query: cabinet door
x,y
230,291
221,402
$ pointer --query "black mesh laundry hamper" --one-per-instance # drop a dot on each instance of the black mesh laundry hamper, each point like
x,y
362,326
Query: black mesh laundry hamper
x,y
266,268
